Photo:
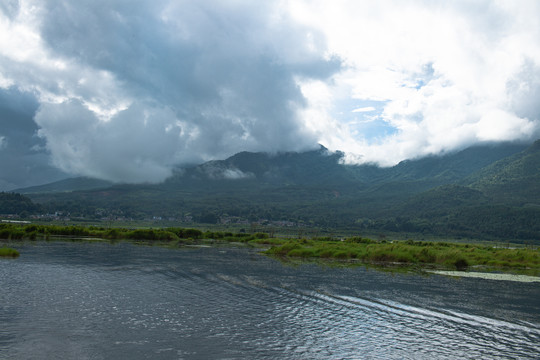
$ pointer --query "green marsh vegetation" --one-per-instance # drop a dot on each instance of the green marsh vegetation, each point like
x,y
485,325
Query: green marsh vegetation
x,y
446,255
424,254
169,235
8,252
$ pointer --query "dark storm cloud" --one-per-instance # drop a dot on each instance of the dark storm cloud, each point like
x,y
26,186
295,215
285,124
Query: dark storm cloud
x,y
23,161
190,81
9,7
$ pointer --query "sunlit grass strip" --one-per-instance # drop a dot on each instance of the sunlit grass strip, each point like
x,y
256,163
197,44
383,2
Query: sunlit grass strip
x,y
459,256
8,252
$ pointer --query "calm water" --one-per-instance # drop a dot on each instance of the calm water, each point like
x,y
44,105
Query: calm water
x,y
100,301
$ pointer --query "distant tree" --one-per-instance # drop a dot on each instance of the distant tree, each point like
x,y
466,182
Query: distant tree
x,y
13,203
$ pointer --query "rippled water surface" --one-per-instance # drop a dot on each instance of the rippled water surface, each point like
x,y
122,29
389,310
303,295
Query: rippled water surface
x,y
101,301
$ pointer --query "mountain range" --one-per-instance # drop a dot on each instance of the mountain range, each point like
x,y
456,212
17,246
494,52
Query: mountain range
x,y
490,191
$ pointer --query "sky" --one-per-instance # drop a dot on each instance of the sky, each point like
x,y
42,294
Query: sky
x,y
126,91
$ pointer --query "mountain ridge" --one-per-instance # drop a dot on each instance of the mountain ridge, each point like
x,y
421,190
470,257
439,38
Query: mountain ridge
x,y
315,166
66,185
437,194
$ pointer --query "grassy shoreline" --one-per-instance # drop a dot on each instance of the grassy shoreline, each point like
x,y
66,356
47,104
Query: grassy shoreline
x,y
423,254
444,255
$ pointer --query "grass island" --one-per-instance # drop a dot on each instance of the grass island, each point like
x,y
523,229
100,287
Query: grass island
x,y
8,252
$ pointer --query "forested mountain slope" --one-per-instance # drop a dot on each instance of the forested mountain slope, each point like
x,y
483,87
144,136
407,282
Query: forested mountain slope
x,y
489,190
513,180
12,203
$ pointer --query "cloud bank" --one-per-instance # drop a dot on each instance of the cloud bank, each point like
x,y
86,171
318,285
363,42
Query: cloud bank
x,y
125,91
441,75
22,156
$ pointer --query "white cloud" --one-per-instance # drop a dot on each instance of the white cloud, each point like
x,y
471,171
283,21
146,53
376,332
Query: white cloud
x,y
234,174
450,73
364,109
215,170
138,144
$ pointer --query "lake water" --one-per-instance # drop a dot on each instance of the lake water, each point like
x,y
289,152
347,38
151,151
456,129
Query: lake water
x,y
101,301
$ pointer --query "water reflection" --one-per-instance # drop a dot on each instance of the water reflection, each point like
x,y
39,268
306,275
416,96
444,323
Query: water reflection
x,y
97,301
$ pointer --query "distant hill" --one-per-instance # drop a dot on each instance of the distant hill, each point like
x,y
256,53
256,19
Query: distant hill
x,y
454,166
17,204
496,184
513,180
322,167
67,185
501,200
311,168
